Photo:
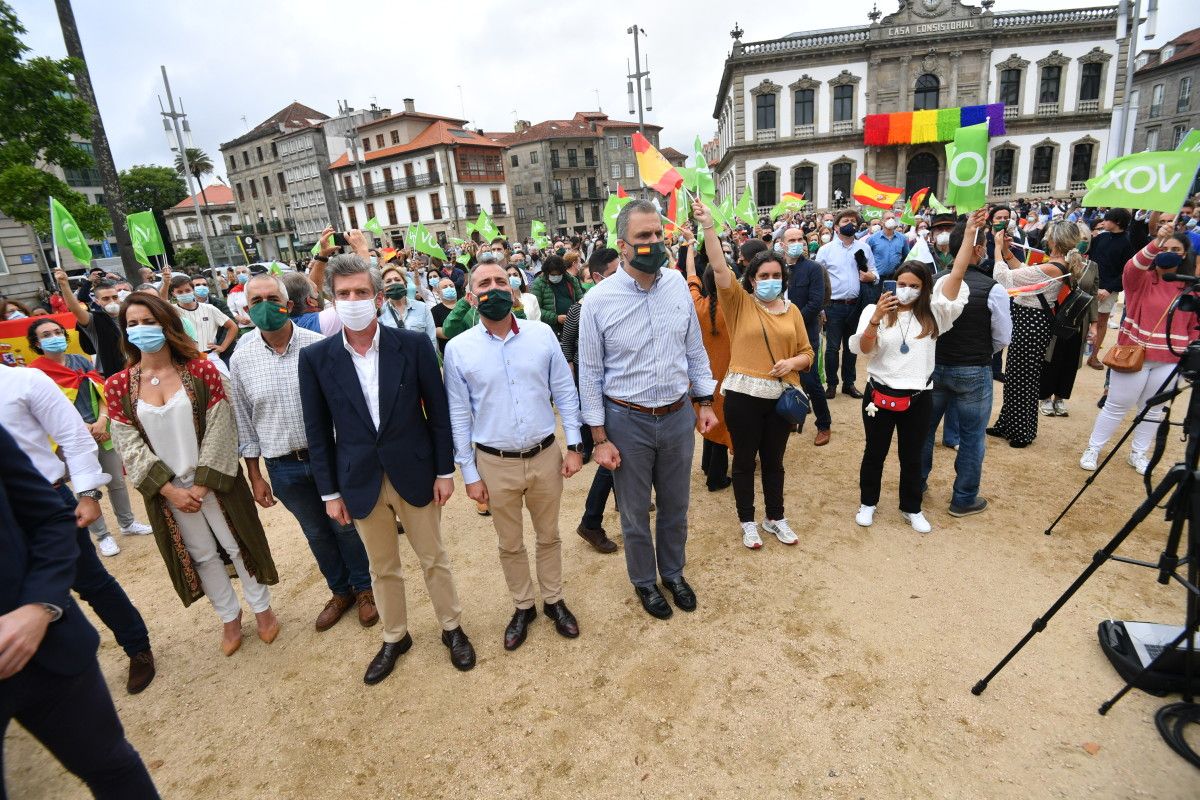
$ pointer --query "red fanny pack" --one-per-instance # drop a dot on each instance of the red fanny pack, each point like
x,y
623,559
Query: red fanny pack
x,y
890,402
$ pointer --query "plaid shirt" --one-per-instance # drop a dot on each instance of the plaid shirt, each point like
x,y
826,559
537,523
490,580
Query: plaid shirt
x,y
266,394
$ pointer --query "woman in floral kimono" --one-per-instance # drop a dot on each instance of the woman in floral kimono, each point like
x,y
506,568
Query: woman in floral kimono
x,y
173,424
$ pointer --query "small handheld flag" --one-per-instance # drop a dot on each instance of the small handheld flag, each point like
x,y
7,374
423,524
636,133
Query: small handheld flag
x,y
66,233
654,169
869,192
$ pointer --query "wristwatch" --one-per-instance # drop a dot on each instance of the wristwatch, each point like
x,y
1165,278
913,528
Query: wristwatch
x,y
576,448
94,494
322,259
706,400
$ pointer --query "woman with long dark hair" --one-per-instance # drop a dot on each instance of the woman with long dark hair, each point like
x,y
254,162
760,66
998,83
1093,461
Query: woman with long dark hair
x,y
173,425
899,337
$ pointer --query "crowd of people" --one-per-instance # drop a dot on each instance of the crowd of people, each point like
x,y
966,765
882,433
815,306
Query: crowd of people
x,y
351,390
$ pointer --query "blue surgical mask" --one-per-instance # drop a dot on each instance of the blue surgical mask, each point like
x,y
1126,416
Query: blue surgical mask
x,y
147,338
449,293
186,298
795,249
202,292
514,282
242,278
554,278
768,289
53,344
411,291
828,223
374,261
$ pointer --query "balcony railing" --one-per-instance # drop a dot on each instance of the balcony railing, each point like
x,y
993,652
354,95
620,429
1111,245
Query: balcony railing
x,y
1086,106
1012,112
846,126
276,226
1039,188
260,226
472,209
1077,186
591,162
805,130
499,209
1047,109
1156,111
405,183
1027,19
1002,191
765,135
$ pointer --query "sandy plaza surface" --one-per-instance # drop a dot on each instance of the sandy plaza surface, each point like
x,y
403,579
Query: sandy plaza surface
x,y
840,667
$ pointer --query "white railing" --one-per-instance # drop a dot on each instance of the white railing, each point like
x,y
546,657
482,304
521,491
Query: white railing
x,y
765,135
1039,188
1026,19
1047,109
1088,105
1077,186
843,127
1012,112
805,130
819,39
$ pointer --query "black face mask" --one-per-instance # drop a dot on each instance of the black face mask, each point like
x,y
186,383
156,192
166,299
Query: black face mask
x,y
495,304
848,230
649,258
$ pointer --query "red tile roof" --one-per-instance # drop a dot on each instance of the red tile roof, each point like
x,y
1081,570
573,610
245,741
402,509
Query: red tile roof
x,y
674,156
584,125
410,115
1187,47
217,194
440,132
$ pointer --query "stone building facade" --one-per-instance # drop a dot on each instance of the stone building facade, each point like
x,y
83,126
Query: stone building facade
x,y
1165,83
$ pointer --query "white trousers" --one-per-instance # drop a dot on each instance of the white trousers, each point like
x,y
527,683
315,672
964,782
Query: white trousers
x,y
201,531
1129,391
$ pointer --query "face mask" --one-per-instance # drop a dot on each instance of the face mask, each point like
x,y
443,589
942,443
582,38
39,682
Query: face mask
x,y
768,289
907,294
875,228
828,223
243,278
778,247
395,291
147,338
848,229
268,316
53,344
113,309
374,261
514,282
649,258
495,305
561,251
999,226
185,299
813,247
410,291
1082,247
355,314
201,292
922,232
121,295
795,249
942,239
825,238
554,278
890,224
449,293
1168,260
433,282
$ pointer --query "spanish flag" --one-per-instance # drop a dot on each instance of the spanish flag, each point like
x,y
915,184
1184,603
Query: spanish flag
x,y
871,193
656,172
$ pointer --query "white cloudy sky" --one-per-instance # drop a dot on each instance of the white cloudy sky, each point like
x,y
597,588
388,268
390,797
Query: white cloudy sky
x,y
230,59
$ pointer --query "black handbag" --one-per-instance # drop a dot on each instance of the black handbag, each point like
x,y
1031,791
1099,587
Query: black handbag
x,y
793,405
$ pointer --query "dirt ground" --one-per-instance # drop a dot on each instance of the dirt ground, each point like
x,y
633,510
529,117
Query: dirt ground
x,y
838,668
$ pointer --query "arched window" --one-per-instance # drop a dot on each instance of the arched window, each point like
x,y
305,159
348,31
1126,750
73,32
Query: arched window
x,y
840,184
766,188
802,181
1043,162
927,91
1081,162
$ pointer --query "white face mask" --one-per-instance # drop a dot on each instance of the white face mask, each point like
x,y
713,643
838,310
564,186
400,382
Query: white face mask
x,y
890,224
943,239
355,314
121,295
907,294
875,228
825,237
113,309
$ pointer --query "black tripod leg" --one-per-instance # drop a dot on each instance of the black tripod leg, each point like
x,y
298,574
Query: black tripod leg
x,y
1168,483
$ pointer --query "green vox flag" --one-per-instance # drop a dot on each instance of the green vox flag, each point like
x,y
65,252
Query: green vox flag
x,y
67,233
139,255
706,187
611,209
486,229
1155,181
1190,143
423,242
373,226
723,213
967,168
936,207
537,232
870,212
143,230
745,210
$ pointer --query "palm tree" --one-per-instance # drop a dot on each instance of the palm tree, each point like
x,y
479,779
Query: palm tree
x,y
199,164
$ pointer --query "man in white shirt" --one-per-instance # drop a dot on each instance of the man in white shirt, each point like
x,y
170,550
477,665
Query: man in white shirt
x,y
507,453
206,318
850,264
35,411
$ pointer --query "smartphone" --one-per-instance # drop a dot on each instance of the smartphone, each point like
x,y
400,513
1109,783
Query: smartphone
x,y
338,239
980,236
889,286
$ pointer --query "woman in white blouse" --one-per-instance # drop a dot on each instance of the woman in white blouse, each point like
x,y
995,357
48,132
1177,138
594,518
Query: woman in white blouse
x,y
898,335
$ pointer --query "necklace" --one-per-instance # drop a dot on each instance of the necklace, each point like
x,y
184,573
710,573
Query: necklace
x,y
904,348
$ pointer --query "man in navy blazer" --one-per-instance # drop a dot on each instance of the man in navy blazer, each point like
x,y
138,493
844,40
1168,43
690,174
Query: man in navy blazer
x,y
50,680
379,437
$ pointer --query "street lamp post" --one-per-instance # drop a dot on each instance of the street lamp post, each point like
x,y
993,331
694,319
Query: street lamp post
x,y
171,118
635,78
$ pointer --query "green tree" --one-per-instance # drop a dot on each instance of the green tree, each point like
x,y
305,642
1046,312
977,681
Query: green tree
x,y
150,187
43,119
191,257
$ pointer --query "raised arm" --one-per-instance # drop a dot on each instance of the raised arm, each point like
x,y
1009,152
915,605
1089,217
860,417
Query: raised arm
x,y
966,254
82,315
722,274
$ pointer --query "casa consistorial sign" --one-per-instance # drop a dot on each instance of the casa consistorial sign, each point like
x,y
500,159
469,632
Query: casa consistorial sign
x,y
933,27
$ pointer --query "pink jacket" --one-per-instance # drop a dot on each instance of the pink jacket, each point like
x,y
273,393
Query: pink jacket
x,y
1147,297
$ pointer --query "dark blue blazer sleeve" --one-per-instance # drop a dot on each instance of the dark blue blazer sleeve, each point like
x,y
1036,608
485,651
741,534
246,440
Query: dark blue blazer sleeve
x,y
318,421
437,408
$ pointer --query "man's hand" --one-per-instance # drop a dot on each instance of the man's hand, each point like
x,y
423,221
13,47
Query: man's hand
x,y
336,510
262,491
607,455
1103,295
21,634
477,491
326,242
572,463
87,511
976,220
701,214
562,319
357,241
442,489
868,277
61,278
99,429
706,419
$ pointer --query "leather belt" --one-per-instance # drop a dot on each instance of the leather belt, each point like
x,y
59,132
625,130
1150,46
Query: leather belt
x,y
847,301
530,453
657,411
295,455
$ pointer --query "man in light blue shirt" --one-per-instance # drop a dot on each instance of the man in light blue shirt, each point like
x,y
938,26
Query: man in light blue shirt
x,y
851,266
501,377
889,247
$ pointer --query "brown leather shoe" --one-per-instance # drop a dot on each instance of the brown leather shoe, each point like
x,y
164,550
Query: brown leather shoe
x,y
141,671
333,611
368,615
822,438
598,539
1094,362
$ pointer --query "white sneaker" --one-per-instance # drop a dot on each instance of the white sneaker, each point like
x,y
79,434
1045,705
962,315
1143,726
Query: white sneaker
x,y
865,516
1089,458
782,531
918,522
137,529
1060,408
1046,407
1139,461
750,536
108,546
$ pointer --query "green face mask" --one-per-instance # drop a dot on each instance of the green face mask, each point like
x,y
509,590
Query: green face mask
x,y
1082,247
495,304
396,291
649,258
268,316
999,226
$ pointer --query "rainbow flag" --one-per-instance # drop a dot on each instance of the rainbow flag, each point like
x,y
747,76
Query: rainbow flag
x,y
917,127
1033,287
655,171
872,193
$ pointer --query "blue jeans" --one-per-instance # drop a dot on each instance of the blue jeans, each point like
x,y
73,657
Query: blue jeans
x,y
950,433
841,320
968,391
338,549
100,590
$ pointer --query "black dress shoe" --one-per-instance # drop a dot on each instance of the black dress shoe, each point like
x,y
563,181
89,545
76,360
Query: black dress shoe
x,y
653,601
462,653
995,432
850,391
383,662
518,627
681,593
564,621
720,483
830,392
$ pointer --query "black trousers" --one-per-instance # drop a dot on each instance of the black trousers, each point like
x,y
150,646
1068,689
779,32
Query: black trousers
x,y
911,427
74,717
756,431
1058,374
714,463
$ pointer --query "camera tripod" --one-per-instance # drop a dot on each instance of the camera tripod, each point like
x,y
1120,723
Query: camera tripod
x,y
1180,487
